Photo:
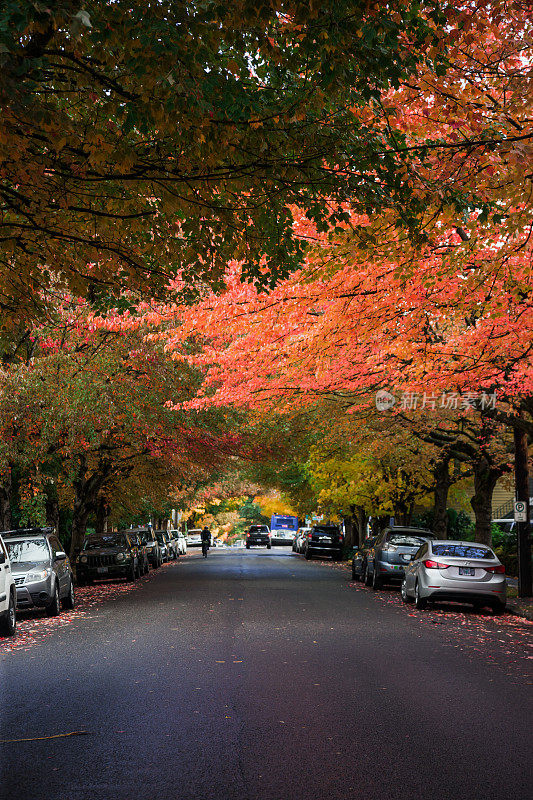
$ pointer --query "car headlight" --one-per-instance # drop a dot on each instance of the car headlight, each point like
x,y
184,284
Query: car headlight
x,y
38,575
82,559
120,556
149,548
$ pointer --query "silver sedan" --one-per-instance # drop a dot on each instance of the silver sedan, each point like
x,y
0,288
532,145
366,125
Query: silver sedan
x,y
465,572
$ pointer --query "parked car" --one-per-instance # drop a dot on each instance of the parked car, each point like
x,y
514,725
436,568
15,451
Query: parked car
x,y
41,570
392,550
167,551
299,539
174,544
464,572
323,540
194,537
108,555
153,549
258,534
182,541
8,594
360,557
140,538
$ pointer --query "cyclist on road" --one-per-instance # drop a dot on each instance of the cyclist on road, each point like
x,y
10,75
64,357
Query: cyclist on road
x,y
206,541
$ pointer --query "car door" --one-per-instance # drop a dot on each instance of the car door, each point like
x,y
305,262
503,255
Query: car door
x,y
411,573
373,552
4,575
60,567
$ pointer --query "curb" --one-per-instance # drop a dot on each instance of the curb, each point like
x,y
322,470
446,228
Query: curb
x,y
520,610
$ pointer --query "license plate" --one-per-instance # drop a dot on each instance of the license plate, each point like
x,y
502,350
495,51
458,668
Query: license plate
x,y
467,571
325,539
101,569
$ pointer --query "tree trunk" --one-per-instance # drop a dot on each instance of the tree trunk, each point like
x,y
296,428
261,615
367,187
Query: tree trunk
x,y
52,510
485,477
443,482
6,522
102,515
87,487
80,517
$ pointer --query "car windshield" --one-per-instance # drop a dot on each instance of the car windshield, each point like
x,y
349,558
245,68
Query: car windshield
x,y
104,541
34,550
405,540
325,529
462,551
160,538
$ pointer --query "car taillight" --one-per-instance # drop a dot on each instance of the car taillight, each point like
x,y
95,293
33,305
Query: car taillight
x,y
499,570
435,565
309,535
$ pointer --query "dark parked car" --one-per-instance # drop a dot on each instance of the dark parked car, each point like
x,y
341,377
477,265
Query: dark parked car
x,y
139,537
153,549
323,540
258,534
41,569
108,555
392,550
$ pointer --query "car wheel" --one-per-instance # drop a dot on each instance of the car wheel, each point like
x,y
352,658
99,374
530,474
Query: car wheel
x,y
307,555
80,581
420,602
497,607
354,576
54,609
403,593
131,574
269,547
377,583
247,546
69,601
367,576
8,624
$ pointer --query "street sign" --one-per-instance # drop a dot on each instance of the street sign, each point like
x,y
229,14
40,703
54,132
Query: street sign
x,y
520,511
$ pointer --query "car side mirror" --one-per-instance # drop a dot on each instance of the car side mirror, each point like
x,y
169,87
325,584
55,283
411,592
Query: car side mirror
x,y
3,558
60,556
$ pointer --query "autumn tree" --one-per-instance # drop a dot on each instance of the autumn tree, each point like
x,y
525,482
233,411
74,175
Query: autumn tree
x,y
141,141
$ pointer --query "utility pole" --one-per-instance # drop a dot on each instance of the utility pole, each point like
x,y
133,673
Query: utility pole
x,y
525,588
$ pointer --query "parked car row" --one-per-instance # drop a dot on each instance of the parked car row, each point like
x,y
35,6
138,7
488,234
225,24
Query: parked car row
x,y
430,570
127,554
35,571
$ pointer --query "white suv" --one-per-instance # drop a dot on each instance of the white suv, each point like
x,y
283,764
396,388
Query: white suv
x,y
8,597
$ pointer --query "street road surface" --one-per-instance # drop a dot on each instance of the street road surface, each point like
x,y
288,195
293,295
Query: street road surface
x,y
255,675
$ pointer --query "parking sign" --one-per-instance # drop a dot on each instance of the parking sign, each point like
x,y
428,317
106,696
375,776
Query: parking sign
x,y
520,511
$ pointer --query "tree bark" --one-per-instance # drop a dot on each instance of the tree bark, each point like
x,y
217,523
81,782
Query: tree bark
x,y
6,522
87,487
443,481
485,477
52,510
102,514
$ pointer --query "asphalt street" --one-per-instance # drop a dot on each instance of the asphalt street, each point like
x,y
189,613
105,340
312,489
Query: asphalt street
x,y
258,675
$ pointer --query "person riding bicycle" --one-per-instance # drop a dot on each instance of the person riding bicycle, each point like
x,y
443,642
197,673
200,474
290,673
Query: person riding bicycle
x,y
206,541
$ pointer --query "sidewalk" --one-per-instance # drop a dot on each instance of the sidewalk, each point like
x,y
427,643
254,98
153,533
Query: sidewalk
x,y
519,606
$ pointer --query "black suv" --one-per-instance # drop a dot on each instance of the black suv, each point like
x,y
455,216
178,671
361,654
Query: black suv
x,y
391,551
258,534
107,555
324,540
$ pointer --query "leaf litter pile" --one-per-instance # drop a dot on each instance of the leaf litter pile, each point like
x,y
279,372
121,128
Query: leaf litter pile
x,y
33,626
